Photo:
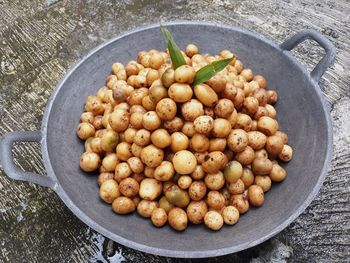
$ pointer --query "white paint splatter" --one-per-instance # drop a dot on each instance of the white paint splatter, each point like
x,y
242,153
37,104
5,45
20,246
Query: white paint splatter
x,y
98,241
23,206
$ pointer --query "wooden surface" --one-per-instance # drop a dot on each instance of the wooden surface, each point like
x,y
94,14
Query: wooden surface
x,y
40,40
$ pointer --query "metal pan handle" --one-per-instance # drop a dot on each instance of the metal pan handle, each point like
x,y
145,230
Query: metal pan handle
x,y
327,45
7,160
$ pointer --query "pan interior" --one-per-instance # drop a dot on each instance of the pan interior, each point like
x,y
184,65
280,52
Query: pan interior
x,y
300,114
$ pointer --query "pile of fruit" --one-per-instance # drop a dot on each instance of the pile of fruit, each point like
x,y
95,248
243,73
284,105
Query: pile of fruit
x,y
183,136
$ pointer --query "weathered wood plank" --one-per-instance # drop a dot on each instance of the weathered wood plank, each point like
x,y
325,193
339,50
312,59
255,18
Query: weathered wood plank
x,y
40,40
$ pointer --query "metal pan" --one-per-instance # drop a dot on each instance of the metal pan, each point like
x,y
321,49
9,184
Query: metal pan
x,y
302,113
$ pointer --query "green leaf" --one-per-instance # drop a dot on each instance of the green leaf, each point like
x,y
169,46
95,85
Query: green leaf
x,y
175,54
210,70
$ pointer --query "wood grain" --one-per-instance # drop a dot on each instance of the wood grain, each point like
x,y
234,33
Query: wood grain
x,y
40,40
